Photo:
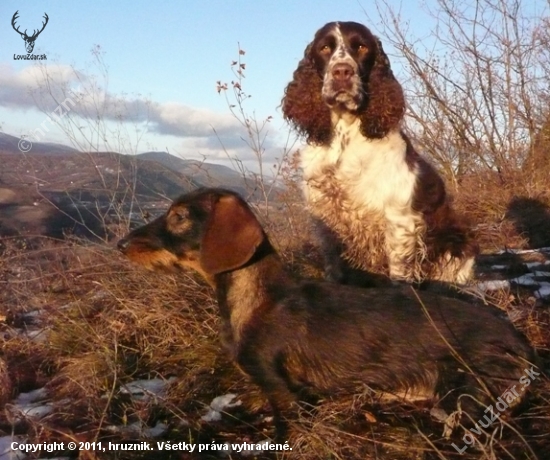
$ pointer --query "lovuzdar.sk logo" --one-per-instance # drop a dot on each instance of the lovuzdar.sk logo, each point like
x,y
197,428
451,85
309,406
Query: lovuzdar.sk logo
x,y
29,40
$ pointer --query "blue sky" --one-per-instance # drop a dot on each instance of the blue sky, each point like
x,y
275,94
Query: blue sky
x,y
172,53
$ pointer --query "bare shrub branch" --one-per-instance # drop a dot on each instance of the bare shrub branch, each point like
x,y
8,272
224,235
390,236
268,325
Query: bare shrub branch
x,y
477,86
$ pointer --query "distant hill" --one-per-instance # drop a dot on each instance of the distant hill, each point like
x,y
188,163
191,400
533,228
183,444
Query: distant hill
x,y
54,188
89,175
202,173
9,144
84,194
158,173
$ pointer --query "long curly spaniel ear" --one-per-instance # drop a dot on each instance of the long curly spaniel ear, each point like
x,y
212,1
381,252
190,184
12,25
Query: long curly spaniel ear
x,y
386,102
303,105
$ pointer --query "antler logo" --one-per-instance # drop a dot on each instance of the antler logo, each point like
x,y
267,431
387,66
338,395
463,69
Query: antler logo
x,y
29,41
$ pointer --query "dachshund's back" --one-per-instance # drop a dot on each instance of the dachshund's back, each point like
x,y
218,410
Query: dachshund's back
x,y
339,338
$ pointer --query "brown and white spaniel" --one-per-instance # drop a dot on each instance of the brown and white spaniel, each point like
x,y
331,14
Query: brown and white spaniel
x,y
380,206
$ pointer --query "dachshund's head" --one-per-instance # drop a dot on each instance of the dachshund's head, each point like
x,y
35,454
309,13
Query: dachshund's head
x,y
209,230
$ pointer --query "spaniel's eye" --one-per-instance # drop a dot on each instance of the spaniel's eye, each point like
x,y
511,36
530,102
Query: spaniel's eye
x,y
362,49
325,49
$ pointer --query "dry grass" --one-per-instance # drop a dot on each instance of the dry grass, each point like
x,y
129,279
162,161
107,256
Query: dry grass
x,y
105,324
508,211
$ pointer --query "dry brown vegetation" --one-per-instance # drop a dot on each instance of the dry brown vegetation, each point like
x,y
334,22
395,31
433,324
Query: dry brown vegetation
x,y
82,322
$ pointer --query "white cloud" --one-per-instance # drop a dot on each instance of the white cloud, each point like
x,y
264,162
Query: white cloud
x,y
180,120
193,132
44,87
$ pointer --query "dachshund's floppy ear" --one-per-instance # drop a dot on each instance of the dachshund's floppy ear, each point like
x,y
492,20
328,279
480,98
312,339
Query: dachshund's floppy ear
x,y
303,105
386,102
231,237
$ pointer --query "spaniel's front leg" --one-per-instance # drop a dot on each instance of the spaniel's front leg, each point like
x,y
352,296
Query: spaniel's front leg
x,y
405,248
332,249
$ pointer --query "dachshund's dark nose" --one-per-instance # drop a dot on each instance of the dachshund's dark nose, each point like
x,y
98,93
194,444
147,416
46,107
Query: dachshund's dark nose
x,y
123,244
342,72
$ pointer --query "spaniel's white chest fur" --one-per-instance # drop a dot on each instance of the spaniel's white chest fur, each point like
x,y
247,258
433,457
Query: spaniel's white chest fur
x,y
363,188
372,172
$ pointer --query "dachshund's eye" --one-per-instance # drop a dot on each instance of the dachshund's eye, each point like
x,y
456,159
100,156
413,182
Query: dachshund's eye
x,y
180,215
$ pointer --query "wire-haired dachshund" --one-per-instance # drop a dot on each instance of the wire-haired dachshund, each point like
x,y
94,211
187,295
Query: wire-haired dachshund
x,y
291,336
